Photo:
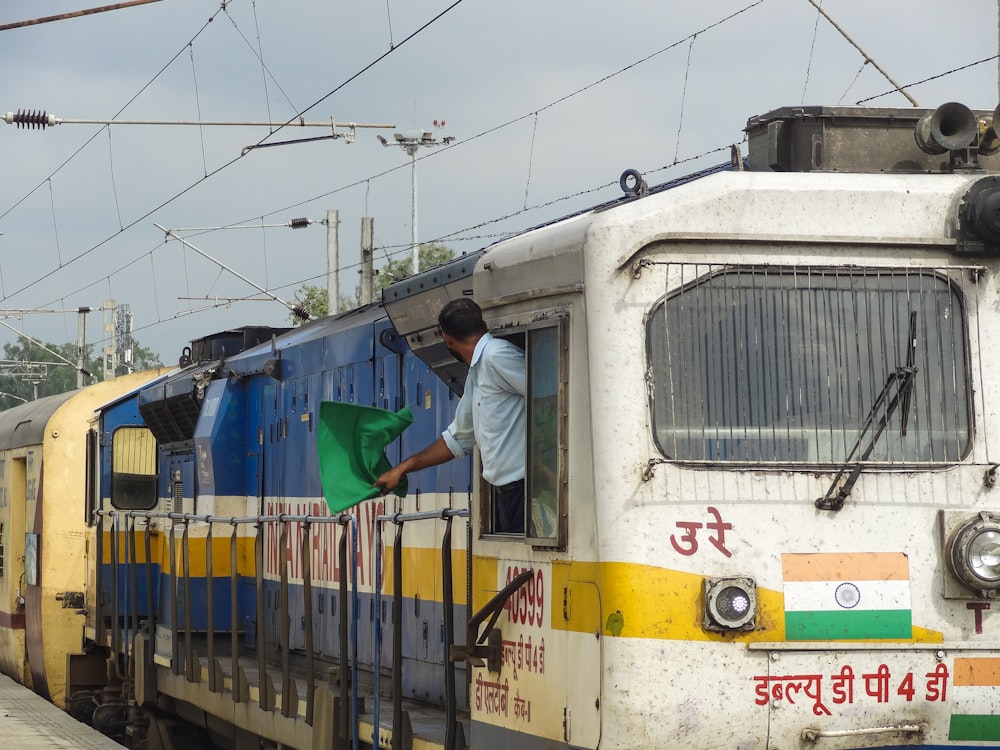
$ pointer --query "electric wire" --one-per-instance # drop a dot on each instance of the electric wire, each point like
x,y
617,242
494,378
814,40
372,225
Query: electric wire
x,y
152,276
55,225
531,158
520,118
454,235
684,88
114,187
850,86
197,103
403,248
259,54
225,165
812,48
926,80
135,96
388,18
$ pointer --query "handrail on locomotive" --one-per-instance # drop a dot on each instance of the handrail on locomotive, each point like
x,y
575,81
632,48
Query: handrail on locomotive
x,y
125,626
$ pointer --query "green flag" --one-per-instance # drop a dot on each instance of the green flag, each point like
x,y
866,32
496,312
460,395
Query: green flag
x,y
351,440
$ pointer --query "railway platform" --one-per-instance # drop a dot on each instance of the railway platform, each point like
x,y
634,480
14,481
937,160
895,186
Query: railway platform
x,y
29,722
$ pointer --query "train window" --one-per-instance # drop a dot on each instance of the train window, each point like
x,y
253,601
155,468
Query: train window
x,y
544,481
133,468
800,365
545,436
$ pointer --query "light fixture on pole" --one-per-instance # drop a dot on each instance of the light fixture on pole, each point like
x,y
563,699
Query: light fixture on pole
x,y
411,142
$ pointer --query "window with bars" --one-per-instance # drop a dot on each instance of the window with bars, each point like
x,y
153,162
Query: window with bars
x,y
789,364
133,468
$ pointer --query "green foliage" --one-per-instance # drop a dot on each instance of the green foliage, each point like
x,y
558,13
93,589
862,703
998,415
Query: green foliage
x,y
431,255
313,298
143,358
20,382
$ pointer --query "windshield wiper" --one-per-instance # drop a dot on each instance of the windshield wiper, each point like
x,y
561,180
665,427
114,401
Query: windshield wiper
x,y
901,381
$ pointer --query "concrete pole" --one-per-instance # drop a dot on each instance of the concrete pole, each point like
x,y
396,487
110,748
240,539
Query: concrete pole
x,y
81,344
367,251
332,262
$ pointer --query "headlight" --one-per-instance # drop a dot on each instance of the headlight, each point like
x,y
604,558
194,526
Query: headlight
x,y
730,604
974,554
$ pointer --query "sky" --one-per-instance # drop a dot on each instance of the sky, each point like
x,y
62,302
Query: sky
x,y
548,102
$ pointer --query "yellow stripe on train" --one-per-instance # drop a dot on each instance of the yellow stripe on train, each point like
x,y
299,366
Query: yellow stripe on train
x,y
159,550
642,601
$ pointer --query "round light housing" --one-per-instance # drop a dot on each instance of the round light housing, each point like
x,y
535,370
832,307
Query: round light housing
x,y
974,554
730,604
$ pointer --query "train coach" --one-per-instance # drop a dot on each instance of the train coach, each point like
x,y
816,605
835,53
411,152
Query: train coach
x,y
760,502
44,557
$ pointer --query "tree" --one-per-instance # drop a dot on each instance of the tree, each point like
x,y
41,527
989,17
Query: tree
x,y
313,298
431,254
56,371
144,358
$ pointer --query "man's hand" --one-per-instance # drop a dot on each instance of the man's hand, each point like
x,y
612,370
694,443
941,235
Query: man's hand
x,y
436,453
387,482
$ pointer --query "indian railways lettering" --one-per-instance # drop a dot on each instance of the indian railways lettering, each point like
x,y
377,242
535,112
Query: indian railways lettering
x,y
324,546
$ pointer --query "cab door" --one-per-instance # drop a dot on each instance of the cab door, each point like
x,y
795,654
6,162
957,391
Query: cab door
x,y
548,685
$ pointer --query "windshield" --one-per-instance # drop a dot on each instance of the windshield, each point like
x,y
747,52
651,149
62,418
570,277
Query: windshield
x,y
786,364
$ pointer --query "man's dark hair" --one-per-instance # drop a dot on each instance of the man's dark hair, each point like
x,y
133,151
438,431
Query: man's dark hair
x,y
461,318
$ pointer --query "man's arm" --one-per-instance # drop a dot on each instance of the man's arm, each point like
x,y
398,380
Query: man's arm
x,y
434,454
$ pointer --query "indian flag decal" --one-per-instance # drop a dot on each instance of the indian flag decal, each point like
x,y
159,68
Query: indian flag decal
x,y
846,596
975,691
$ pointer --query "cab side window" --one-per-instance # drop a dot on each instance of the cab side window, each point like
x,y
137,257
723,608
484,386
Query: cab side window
x,y
133,468
545,437
545,484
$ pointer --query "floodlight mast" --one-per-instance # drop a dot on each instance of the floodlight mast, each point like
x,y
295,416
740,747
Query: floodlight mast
x,y
411,142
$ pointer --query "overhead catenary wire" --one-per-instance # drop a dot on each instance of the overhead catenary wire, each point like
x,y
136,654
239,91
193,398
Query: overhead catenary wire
x,y
689,38
227,164
43,347
114,187
676,162
135,96
497,219
55,224
197,103
520,118
991,58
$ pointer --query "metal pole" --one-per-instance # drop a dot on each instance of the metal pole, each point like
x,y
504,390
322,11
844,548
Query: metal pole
x,y
81,344
332,262
75,14
416,245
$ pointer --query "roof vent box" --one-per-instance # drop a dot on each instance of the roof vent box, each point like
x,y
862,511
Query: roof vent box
x,y
845,139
